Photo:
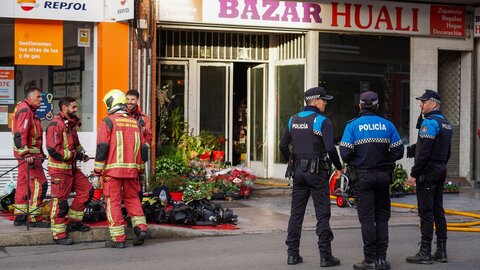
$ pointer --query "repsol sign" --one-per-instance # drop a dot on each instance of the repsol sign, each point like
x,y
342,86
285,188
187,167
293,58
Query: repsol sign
x,y
65,5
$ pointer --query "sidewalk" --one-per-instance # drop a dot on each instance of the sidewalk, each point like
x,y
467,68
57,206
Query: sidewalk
x,y
267,210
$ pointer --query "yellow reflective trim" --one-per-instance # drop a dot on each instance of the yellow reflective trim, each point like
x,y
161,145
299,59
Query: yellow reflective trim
x,y
73,214
137,145
36,193
66,152
99,165
59,165
35,134
19,209
119,147
137,220
53,210
122,165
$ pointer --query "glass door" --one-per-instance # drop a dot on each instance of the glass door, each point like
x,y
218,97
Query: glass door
x,y
215,102
256,143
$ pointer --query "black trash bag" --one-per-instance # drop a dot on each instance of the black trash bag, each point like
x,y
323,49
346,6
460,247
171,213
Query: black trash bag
x,y
210,214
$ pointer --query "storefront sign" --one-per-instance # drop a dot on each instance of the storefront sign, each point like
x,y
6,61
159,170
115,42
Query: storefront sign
x,y
119,10
69,10
38,42
476,23
7,85
45,111
447,21
353,16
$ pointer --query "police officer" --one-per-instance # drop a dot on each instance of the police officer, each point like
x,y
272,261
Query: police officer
x,y
432,152
311,135
371,145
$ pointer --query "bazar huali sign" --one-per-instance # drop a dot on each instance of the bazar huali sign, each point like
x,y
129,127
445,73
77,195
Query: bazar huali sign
x,y
356,16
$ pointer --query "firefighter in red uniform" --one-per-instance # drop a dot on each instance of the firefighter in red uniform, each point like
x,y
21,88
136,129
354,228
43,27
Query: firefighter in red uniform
x,y
27,145
143,120
134,110
121,154
65,149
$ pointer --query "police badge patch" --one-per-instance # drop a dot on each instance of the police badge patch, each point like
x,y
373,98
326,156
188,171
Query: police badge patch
x,y
424,129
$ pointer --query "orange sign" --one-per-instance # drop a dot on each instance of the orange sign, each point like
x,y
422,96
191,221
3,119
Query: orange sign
x,y
38,42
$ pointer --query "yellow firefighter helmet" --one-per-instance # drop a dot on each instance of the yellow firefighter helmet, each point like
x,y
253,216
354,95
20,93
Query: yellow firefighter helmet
x,y
114,98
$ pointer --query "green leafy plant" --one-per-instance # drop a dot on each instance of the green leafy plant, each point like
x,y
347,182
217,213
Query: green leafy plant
x,y
209,140
242,148
197,190
168,167
399,181
451,187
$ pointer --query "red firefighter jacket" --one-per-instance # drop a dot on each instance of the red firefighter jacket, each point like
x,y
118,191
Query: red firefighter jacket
x,y
121,148
27,131
63,145
144,124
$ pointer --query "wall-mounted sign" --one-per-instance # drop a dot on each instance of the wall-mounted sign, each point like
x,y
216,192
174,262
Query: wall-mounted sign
x,y
119,10
351,16
38,42
476,23
45,111
69,10
7,85
447,21
83,37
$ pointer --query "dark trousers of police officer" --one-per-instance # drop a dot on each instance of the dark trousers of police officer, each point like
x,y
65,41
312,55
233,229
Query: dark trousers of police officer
x,y
305,184
430,209
372,197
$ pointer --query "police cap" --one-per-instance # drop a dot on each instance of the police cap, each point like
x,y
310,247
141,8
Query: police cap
x,y
430,95
316,92
369,98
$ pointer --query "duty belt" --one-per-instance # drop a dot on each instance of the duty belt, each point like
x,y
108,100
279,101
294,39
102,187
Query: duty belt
x,y
314,166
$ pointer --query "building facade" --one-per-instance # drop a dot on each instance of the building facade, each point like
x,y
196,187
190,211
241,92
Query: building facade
x,y
243,65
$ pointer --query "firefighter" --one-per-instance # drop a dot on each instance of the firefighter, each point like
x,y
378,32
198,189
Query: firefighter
x,y
136,112
120,159
27,147
64,150
432,152
371,145
311,135
143,120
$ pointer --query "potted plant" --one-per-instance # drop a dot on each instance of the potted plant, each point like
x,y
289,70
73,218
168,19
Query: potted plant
x,y
209,142
190,147
219,152
170,171
399,181
197,191
451,187
242,149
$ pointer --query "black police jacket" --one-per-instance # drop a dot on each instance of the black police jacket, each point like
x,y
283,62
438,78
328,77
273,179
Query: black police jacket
x,y
433,143
311,136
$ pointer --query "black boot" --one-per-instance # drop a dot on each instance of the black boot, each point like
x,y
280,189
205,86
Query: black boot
x,y
113,244
64,241
294,259
440,254
330,261
383,264
365,265
424,256
20,220
139,236
73,226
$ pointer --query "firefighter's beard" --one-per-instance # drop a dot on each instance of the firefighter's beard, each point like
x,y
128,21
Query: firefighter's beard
x,y
71,114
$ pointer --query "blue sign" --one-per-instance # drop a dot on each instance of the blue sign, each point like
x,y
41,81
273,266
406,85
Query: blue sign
x,y
45,111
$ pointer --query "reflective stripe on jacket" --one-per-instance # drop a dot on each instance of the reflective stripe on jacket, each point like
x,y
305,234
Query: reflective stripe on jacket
x,y
27,131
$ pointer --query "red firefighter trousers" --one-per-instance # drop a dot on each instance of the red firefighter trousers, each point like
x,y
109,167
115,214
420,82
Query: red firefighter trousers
x,y
38,189
62,186
113,189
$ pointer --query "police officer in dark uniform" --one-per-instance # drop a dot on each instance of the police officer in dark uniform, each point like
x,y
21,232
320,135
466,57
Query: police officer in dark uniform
x,y
371,145
432,152
311,136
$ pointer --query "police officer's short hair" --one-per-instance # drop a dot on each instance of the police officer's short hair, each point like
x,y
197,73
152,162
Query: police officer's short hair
x,y
65,101
133,92
30,88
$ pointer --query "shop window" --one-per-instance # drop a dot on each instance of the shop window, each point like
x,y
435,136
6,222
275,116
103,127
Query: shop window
x,y
352,64
74,78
